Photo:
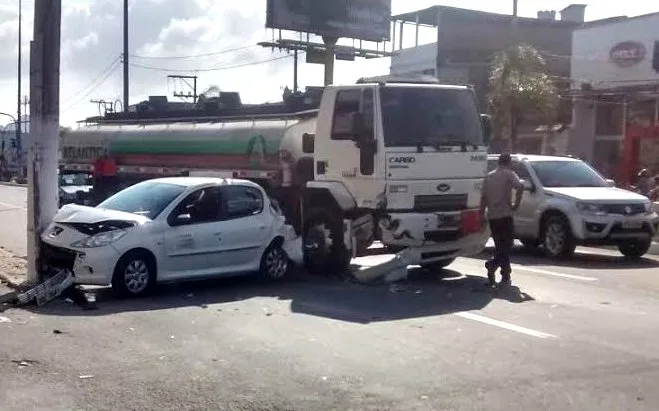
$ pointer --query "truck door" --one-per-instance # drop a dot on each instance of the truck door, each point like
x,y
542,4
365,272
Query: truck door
x,y
338,153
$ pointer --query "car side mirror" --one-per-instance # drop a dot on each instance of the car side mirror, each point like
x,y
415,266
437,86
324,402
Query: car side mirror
x,y
610,182
486,123
528,186
308,143
182,219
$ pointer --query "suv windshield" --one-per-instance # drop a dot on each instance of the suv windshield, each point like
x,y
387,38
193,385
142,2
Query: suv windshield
x,y
567,174
148,198
431,116
75,179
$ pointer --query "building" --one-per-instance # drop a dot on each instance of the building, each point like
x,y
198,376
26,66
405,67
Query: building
x,y
615,73
466,42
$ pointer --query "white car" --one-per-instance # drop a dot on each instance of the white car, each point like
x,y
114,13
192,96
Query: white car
x,y
567,203
170,229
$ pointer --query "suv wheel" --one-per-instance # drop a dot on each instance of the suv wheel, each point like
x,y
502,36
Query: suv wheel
x,y
635,249
557,238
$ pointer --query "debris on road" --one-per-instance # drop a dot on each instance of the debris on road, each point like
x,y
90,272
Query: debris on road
x,y
4,319
22,363
49,289
392,270
85,377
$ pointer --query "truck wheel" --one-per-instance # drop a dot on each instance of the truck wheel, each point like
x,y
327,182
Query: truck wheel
x,y
635,249
324,250
557,237
438,265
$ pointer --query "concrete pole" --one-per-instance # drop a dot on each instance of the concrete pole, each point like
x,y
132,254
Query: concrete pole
x,y
44,122
330,49
19,125
126,70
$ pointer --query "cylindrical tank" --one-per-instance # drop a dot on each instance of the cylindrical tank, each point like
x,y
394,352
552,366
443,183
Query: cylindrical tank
x,y
270,144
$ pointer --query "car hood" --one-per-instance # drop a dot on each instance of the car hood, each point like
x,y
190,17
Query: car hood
x,y
74,213
598,194
75,189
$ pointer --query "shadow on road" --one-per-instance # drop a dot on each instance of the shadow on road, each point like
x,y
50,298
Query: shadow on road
x,y
524,256
423,294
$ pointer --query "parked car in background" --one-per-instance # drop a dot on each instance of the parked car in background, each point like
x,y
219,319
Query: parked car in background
x,y
170,229
567,203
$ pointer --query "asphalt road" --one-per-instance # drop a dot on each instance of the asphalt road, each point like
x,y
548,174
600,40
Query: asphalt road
x,y
579,335
13,219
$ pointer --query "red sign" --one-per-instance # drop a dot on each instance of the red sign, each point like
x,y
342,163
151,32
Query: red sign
x,y
627,53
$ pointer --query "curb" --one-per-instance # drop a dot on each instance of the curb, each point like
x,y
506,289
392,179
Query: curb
x,y
8,184
12,282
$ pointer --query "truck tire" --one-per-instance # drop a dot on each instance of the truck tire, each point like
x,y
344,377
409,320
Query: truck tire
x,y
635,249
557,238
324,251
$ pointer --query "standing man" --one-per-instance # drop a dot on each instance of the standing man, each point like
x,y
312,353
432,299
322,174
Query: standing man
x,y
496,196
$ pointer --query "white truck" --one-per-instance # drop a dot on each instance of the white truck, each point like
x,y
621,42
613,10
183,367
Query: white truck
x,y
397,161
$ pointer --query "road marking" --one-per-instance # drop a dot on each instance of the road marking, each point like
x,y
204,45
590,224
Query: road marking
x,y
555,274
12,206
504,325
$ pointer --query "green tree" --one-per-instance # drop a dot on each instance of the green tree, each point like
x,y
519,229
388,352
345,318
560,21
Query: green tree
x,y
520,89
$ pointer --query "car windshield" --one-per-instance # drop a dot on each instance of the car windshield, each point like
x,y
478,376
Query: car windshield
x,y
148,198
417,116
567,174
75,179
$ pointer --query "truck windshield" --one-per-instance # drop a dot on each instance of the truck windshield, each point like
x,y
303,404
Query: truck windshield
x,y
432,116
148,198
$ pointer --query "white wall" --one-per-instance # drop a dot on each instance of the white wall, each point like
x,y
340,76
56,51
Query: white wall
x,y
414,59
591,49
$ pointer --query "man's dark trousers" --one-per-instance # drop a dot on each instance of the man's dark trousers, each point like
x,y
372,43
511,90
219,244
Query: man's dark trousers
x,y
503,235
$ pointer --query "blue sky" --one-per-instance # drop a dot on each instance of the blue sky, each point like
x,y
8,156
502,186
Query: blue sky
x,y
91,44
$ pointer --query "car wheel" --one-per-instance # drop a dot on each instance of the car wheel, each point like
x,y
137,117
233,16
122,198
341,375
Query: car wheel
x,y
322,251
635,249
438,265
135,274
275,264
557,238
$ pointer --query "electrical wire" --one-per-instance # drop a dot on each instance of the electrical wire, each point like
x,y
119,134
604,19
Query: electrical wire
x,y
91,83
98,82
253,63
216,53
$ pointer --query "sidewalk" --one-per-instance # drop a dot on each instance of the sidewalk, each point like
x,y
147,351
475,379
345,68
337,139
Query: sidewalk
x,y
13,270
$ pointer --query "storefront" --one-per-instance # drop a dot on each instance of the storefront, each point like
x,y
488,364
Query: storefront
x,y
615,80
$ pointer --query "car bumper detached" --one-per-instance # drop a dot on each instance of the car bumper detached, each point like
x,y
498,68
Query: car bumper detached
x,y
94,266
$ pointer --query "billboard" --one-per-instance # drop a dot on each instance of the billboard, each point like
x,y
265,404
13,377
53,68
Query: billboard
x,y
359,19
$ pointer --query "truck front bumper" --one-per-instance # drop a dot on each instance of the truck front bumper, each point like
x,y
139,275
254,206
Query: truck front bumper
x,y
433,236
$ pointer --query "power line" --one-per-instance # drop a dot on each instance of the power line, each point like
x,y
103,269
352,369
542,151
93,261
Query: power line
x,y
253,63
216,53
96,86
91,83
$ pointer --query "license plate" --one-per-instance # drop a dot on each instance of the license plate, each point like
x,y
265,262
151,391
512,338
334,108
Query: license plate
x,y
631,225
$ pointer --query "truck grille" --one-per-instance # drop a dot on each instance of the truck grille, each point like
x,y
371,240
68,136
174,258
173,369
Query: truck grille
x,y
625,209
440,202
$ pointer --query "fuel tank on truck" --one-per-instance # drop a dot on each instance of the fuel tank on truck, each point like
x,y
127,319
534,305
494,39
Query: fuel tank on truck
x,y
242,144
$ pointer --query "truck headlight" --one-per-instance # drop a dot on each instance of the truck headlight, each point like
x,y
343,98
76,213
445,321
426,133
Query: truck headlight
x,y
590,208
100,239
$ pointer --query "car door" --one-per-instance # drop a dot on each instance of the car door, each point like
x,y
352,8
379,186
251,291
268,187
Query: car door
x,y
525,214
245,226
193,241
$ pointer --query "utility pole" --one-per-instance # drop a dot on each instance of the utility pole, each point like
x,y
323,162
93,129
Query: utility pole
x,y
125,60
44,127
513,110
295,86
19,122
184,79
330,49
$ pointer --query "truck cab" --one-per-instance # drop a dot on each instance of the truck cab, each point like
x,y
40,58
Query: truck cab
x,y
401,162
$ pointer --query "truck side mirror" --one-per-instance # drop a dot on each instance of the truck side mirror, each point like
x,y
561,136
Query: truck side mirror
x,y
486,122
308,143
358,127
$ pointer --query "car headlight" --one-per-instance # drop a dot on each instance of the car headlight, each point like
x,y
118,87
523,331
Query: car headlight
x,y
647,206
589,208
100,239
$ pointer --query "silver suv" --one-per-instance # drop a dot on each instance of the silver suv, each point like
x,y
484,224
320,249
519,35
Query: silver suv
x,y
567,203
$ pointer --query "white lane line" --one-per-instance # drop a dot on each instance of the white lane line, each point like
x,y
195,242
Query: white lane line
x,y
12,206
540,271
504,325
554,273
